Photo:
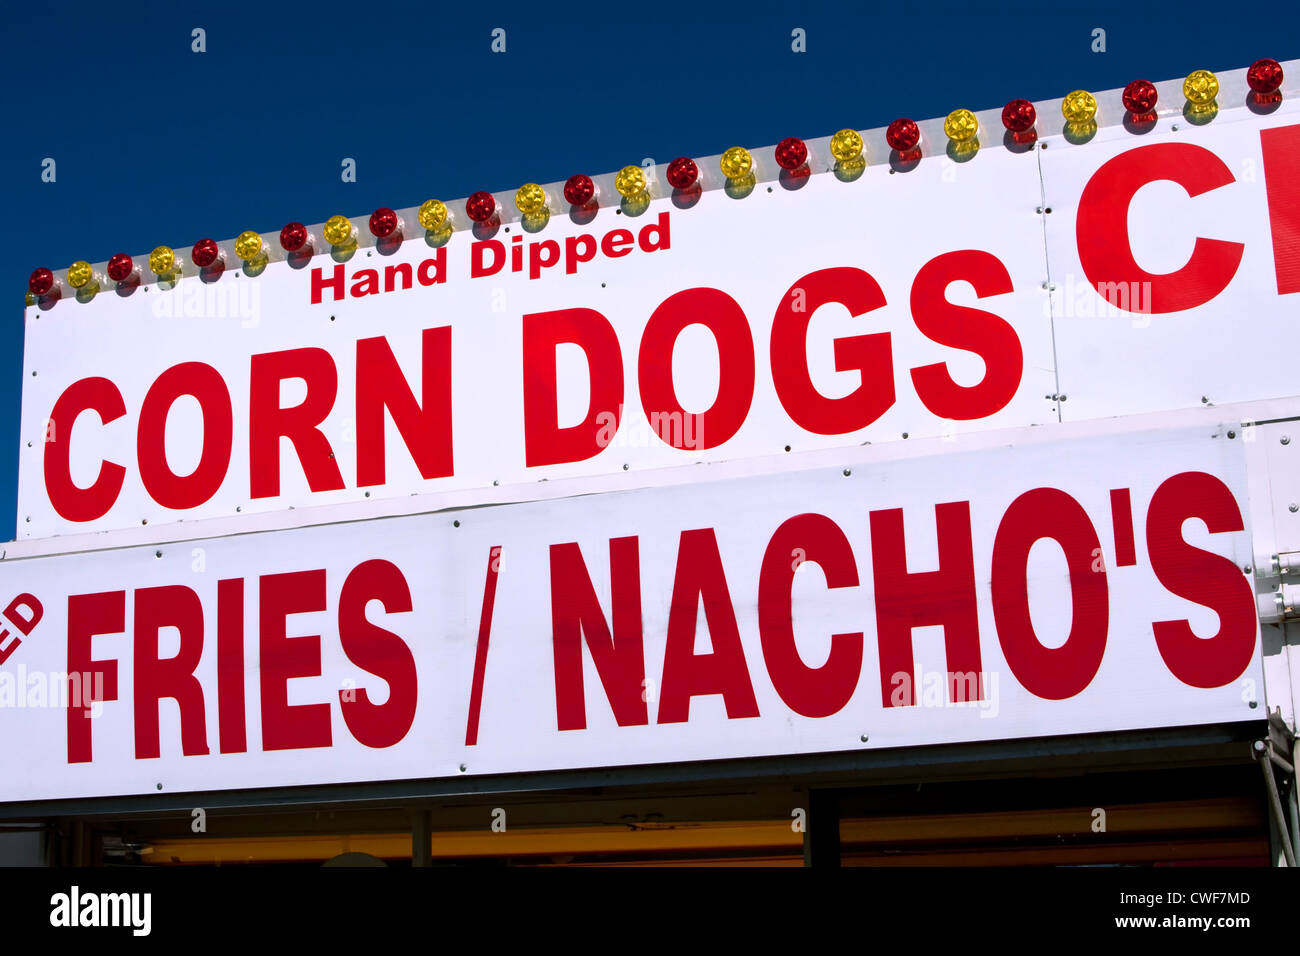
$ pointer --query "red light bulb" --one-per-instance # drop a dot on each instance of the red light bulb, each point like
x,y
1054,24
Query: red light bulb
x,y
204,253
1265,76
682,173
383,222
293,237
791,153
120,267
41,282
480,206
579,190
1019,116
902,135
1140,97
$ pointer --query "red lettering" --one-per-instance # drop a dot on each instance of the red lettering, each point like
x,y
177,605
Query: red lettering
x,y
1101,229
35,611
545,442
905,600
71,502
286,727
722,316
378,651
542,255
1282,184
655,235
425,427
870,355
206,385
90,615
157,677
810,691
400,270
617,243
230,666
365,282
1204,578
686,675
319,284
477,253
577,250
433,271
1053,673
973,330
268,422
576,615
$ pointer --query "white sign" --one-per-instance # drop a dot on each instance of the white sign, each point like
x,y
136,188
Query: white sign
x,y
937,301
1045,588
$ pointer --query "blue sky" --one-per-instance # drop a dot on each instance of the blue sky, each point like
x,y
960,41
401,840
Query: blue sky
x,y
157,144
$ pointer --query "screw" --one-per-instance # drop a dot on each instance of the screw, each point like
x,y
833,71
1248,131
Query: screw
x,y
1174,127
1204,400
157,554
1246,569
1293,507
1285,439
625,466
864,738
463,768
847,472
159,786
1232,434
455,524
1254,704
1039,210
1259,746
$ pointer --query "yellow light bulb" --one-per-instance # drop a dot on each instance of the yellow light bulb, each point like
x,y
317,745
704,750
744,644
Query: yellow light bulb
x,y
432,214
630,181
736,163
961,126
1079,108
248,245
1201,87
79,273
162,261
338,230
530,199
846,145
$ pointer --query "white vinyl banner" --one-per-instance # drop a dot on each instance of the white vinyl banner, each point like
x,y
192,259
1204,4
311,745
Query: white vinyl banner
x,y
1039,589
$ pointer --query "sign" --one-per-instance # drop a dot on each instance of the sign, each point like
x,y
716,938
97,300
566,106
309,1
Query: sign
x,y
934,301
1049,587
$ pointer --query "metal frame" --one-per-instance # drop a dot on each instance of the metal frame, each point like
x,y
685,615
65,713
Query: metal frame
x,y
1167,747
